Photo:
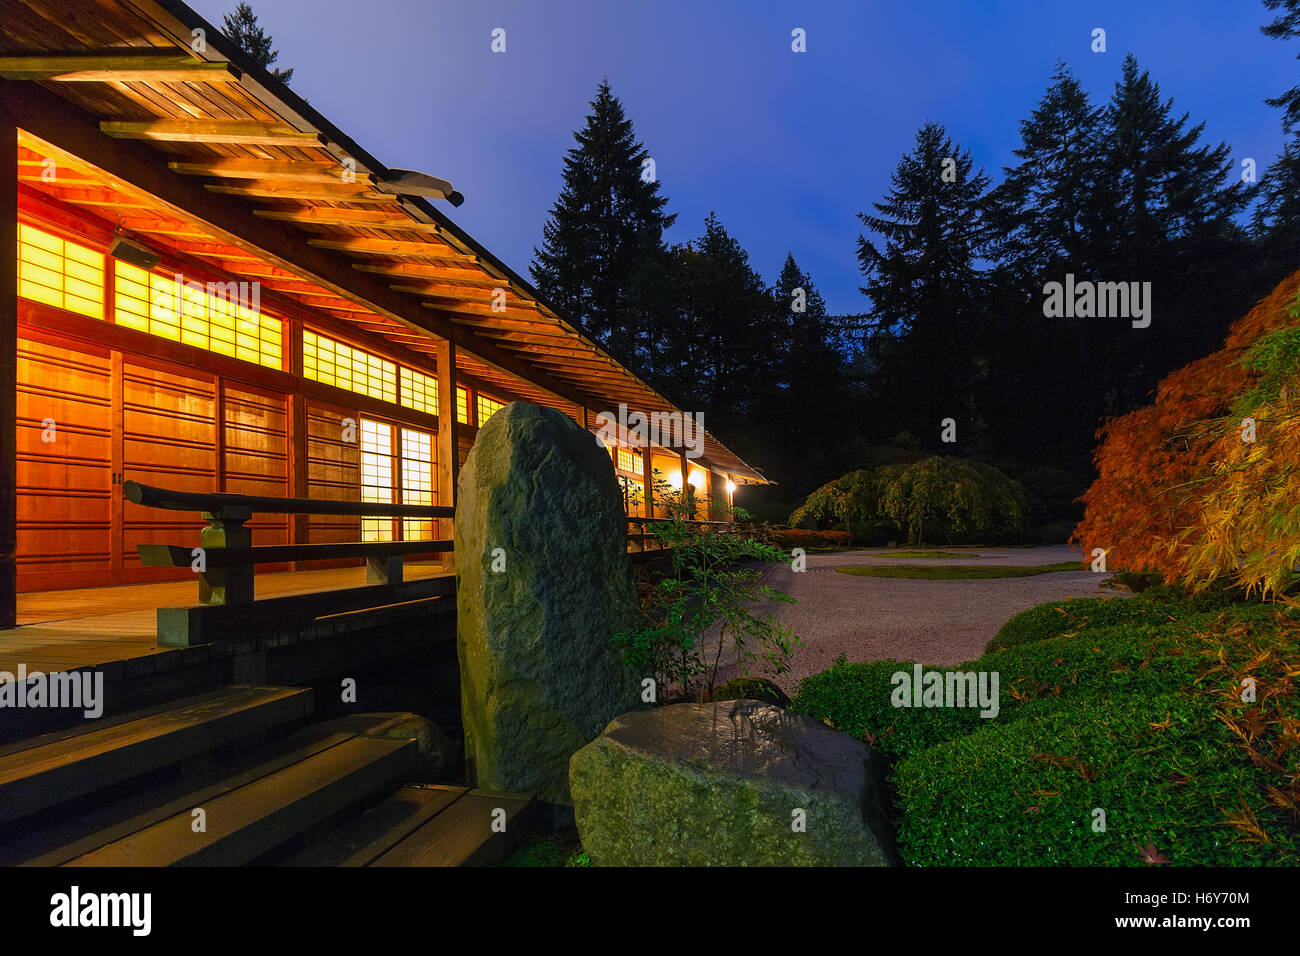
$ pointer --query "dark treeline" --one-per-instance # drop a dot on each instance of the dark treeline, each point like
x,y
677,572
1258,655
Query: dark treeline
x,y
955,266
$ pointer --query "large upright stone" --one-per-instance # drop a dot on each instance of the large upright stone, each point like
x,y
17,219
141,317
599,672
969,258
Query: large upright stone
x,y
732,783
539,675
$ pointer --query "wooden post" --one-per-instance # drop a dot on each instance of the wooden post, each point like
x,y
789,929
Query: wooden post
x,y
231,585
448,441
8,369
299,467
688,498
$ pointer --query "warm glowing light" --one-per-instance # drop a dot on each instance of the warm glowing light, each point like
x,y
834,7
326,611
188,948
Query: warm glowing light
x,y
675,479
731,486
696,480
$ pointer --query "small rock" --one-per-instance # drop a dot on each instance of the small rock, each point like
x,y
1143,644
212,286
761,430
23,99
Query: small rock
x,y
752,688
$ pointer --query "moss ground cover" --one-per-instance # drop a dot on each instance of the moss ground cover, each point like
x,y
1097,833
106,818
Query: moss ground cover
x,y
1132,707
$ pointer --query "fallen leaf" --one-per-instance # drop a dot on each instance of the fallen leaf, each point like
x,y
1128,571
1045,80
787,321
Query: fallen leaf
x,y
1151,856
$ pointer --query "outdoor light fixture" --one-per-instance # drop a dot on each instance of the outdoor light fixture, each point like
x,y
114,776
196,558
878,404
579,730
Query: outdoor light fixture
x,y
731,486
137,255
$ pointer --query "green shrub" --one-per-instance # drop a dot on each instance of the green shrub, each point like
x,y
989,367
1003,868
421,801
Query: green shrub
x,y
797,538
855,698
1058,617
1025,794
1123,705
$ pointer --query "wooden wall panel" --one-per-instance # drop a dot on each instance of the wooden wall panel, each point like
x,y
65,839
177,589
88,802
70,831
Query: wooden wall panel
x,y
256,456
64,516
333,471
168,439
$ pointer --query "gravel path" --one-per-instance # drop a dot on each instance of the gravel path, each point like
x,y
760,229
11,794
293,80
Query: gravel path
x,y
935,622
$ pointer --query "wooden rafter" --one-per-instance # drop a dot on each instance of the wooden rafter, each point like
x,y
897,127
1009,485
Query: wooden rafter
x,y
541,326
100,197
360,218
453,293
314,192
270,170
469,277
229,132
391,247
161,67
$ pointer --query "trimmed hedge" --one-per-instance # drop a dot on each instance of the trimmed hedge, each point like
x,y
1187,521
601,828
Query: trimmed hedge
x,y
797,538
1121,705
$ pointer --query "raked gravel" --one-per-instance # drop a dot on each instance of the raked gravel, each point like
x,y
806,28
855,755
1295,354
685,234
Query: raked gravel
x,y
939,623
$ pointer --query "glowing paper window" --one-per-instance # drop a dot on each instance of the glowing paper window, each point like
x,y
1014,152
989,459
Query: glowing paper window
x,y
630,462
417,481
333,363
419,391
212,316
462,406
60,273
487,407
376,477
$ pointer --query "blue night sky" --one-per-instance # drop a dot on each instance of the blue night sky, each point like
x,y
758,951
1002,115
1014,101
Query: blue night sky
x,y
786,147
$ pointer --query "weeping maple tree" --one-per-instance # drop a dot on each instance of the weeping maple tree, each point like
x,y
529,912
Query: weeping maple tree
x,y
957,494
1205,482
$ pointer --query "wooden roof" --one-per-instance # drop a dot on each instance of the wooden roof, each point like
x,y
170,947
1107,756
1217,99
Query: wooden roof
x,y
379,255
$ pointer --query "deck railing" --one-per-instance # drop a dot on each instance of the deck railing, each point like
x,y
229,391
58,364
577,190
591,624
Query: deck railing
x,y
226,558
642,541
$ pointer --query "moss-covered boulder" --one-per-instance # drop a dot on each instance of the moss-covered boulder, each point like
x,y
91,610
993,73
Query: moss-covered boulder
x,y
543,585
734,783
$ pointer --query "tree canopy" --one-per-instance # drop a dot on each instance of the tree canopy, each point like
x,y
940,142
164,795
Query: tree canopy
x,y
244,29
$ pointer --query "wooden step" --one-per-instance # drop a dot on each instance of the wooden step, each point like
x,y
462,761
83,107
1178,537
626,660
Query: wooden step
x,y
463,835
246,822
424,826
56,845
53,768
368,836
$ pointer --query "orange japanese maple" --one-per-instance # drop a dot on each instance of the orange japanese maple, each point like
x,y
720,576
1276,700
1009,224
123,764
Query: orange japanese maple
x,y
1172,495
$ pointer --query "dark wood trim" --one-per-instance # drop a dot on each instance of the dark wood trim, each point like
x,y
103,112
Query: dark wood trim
x,y
448,439
117,524
219,433
8,367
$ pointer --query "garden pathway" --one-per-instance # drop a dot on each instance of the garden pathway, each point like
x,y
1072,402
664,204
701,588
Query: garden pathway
x,y
934,622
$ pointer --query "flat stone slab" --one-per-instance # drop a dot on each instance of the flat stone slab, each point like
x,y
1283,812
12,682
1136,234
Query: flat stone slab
x,y
729,783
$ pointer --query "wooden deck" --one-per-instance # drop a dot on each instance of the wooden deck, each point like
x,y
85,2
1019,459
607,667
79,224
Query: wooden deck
x,y
91,627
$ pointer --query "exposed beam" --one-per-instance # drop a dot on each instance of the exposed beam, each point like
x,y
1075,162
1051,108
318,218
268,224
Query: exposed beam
x,y
270,170
523,311
453,293
232,132
316,192
358,218
390,247
414,270
99,197
168,67
540,325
